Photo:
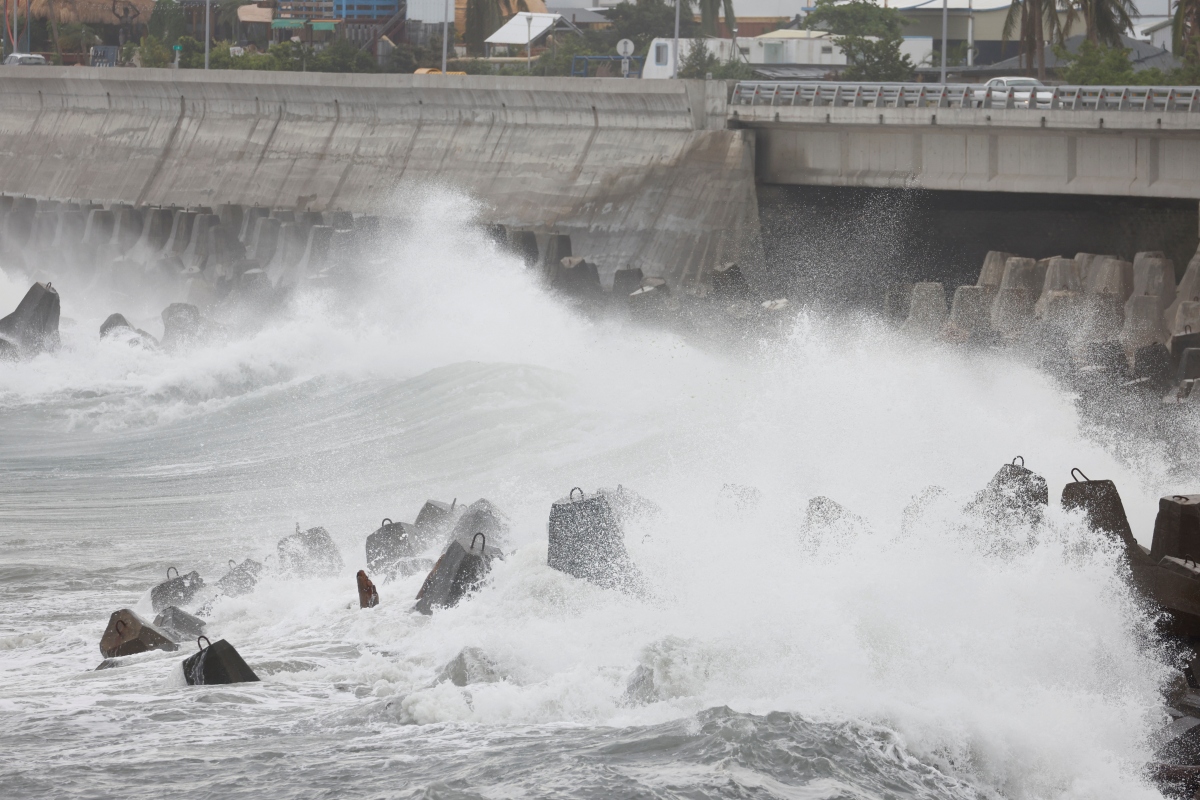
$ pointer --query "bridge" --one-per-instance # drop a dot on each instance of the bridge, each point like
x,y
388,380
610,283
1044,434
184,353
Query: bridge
x,y
662,175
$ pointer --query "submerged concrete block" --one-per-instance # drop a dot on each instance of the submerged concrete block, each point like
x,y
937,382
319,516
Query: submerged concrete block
x,y
927,313
992,273
1189,365
179,624
626,281
1062,275
309,553
392,542
587,541
184,326
970,313
32,327
523,244
470,666
575,277
897,300
1101,502
250,218
241,578
1177,527
127,633
558,247
728,283
218,663
436,518
484,517
1014,493
460,571
1143,323
177,591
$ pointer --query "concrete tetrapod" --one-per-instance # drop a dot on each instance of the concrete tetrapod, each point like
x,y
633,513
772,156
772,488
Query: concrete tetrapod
x,y
1014,493
177,591
1189,365
1186,318
970,315
1187,290
587,541
250,218
309,553
992,273
459,571
179,624
1062,275
184,326
218,663
1012,310
1155,275
33,327
927,313
1085,262
127,633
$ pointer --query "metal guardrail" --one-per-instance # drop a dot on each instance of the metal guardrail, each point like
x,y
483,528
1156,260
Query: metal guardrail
x,y
927,95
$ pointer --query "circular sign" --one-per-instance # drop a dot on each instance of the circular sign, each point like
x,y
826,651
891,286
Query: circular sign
x,y
625,48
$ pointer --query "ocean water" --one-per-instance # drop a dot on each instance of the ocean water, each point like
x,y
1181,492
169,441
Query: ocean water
x,y
921,656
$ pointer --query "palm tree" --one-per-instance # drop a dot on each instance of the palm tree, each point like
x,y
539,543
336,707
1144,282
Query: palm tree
x,y
1105,20
1186,30
1039,23
710,10
484,17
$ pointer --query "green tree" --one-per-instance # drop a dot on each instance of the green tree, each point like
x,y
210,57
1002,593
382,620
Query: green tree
x,y
698,62
1096,65
1037,23
166,22
153,53
342,55
403,58
710,10
870,36
1185,29
1105,20
644,21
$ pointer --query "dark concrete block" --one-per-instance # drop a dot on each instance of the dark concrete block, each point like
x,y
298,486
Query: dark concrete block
x,y
127,633
587,541
179,624
215,664
177,591
1177,528
459,571
309,553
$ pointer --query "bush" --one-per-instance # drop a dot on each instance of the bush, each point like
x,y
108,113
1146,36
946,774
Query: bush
x,y
153,53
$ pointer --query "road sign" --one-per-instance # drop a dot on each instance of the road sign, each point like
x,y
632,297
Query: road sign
x,y
625,48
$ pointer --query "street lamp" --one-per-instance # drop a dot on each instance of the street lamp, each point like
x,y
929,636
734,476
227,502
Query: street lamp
x,y
207,29
945,18
529,42
445,34
675,49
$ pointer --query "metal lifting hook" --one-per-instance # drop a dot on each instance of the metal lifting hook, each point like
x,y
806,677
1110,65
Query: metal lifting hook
x,y
169,572
1086,479
1022,464
205,638
571,496
483,546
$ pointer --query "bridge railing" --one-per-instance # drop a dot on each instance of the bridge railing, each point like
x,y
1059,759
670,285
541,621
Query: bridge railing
x,y
927,95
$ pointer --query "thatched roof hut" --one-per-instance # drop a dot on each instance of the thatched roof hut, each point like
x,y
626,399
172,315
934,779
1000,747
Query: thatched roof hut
x,y
92,12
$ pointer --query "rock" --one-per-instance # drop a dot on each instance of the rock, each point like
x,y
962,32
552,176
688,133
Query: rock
x,y
459,571
728,283
626,281
33,327
927,313
179,625
1101,503
177,591
640,688
368,595
241,578
113,321
482,517
309,553
991,275
471,665
1014,493
1177,527
587,542
215,664
127,633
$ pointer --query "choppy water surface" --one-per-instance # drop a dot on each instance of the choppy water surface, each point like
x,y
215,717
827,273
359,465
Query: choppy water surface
x,y
920,659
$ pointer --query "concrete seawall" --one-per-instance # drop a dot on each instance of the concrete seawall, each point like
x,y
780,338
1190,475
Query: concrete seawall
x,y
640,173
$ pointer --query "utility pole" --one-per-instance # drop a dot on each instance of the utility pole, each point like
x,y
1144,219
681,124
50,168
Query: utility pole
x,y
529,42
207,29
675,49
445,34
28,26
971,33
945,26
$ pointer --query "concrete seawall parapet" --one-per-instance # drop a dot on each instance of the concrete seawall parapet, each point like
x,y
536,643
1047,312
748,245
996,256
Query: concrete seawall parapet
x,y
638,173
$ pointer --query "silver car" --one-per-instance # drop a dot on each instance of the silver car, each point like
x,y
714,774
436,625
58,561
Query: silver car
x,y
1022,88
25,60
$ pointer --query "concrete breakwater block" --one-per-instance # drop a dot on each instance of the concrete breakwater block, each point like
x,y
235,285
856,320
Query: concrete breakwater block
x,y
1143,323
575,277
1101,503
116,323
127,633
241,578
1177,527
460,571
828,522
1085,262
1012,309
436,517
626,281
177,591
309,554
587,541
1062,275
1186,318
217,663
1155,275
471,665
180,625
1014,493
250,218
1189,365
391,542
927,313
184,326
1180,344
368,595
726,282
897,300
992,273
524,245
33,327
1111,276
970,314
650,301
558,247
1151,363
484,517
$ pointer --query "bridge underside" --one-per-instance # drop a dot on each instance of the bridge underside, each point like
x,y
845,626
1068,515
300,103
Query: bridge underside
x,y
849,242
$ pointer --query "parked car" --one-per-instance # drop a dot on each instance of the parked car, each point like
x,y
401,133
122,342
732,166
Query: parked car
x,y
1022,88
25,60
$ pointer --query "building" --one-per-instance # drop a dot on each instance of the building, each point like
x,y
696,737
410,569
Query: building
x,y
1142,56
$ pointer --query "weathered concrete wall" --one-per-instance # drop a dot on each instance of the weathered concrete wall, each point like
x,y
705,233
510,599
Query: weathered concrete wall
x,y
1116,153
640,173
